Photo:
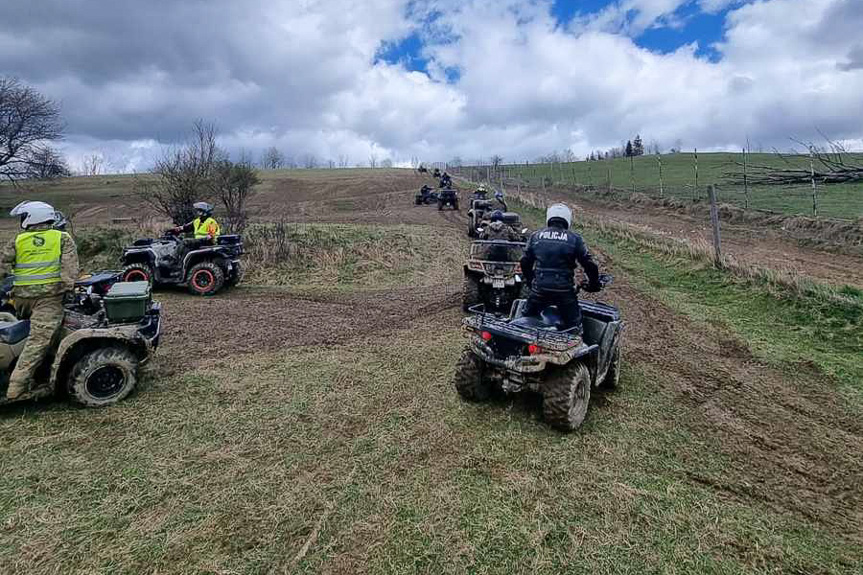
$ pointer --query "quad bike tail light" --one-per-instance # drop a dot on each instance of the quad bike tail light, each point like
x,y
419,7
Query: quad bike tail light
x,y
486,336
534,349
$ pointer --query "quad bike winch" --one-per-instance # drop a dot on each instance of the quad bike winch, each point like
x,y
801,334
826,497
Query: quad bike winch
x,y
540,354
201,266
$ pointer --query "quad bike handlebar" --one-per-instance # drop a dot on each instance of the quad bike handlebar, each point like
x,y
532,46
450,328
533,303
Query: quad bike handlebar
x,y
605,280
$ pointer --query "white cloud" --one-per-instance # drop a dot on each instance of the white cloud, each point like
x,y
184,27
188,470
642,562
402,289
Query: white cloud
x,y
303,76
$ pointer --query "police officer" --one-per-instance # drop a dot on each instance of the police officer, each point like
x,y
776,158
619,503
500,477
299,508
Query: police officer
x,y
549,264
497,229
44,262
205,228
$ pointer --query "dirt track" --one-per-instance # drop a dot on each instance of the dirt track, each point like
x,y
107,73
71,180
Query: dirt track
x,y
789,443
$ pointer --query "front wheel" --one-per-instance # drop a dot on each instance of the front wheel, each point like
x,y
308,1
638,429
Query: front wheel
x,y
103,377
470,381
137,273
237,275
566,396
206,278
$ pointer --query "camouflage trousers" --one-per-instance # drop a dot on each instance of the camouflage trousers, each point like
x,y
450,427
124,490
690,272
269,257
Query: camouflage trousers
x,y
46,317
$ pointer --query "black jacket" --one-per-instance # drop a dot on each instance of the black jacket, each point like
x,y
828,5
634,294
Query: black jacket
x,y
551,257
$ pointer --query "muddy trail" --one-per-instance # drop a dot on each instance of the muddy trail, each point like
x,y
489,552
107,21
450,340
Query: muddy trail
x,y
790,445
760,246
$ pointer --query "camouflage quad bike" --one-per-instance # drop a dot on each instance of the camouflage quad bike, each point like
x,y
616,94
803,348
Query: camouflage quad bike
x,y
540,354
109,330
492,275
447,197
169,260
426,196
511,219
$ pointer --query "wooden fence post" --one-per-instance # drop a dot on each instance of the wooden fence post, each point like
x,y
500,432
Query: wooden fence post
x,y
695,192
714,220
814,189
745,183
661,190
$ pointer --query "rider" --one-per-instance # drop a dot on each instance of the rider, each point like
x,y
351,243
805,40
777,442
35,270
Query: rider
x,y
497,229
425,191
205,228
549,264
498,195
44,262
480,193
445,180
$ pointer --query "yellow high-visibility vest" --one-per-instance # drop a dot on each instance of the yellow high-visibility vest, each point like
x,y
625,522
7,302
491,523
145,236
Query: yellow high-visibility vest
x,y
203,228
37,258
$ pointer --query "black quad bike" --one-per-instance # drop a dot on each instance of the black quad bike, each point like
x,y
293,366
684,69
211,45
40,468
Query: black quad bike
x,y
540,354
492,275
425,197
202,267
109,330
447,197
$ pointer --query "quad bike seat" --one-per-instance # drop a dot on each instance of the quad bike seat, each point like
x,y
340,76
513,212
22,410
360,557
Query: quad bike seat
x,y
549,318
12,332
228,239
143,242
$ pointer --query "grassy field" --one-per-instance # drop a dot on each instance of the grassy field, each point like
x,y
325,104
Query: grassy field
x,y
678,178
306,423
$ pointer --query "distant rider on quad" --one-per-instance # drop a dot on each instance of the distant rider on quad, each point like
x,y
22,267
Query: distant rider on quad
x,y
480,193
445,180
549,264
425,191
205,228
497,229
44,262
499,197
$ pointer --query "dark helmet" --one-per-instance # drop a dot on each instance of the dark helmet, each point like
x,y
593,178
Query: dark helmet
x,y
496,216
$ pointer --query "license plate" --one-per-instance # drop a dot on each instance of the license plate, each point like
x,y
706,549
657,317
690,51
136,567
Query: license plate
x,y
497,284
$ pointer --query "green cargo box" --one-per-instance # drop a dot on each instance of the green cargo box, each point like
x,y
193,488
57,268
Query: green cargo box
x,y
127,302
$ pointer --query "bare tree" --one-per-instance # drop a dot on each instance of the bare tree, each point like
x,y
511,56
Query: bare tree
x,y
496,161
829,165
456,162
183,175
310,161
46,164
373,160
92,165
28,120
234,183
272,159
386,163
344,162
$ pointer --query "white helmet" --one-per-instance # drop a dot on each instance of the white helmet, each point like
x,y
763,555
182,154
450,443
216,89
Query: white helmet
x,y
33,213
203,208
560,212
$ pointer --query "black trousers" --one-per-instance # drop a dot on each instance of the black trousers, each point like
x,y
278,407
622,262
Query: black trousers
x,y
566,302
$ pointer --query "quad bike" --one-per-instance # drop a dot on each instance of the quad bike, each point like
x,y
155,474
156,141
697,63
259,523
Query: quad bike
x,y
426,197
201,267
445,182
436,173
511,219
447,197
109,330
540,354
492,275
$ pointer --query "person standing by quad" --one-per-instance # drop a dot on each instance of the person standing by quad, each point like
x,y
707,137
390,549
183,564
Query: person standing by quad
x,y
44,262
205,228
549,263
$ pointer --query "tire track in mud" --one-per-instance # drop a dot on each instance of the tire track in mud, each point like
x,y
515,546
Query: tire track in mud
x,y
788,443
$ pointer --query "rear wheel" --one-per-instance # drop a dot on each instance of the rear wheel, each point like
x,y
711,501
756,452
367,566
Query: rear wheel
x,y
470,380
470,292
137,273
566,396
206,278
104,376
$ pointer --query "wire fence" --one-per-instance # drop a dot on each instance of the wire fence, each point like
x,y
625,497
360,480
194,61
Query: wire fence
x,y
684,177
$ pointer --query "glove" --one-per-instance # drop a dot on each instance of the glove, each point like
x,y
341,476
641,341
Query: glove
x,y
593,287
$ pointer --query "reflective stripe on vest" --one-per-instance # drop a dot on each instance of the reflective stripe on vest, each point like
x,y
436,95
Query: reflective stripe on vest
x,y
202,228
37,258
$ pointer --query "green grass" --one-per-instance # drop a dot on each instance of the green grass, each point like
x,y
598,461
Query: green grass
x,y
678,175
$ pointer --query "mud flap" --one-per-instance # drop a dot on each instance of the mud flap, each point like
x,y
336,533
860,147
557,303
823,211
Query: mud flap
x,y
607,344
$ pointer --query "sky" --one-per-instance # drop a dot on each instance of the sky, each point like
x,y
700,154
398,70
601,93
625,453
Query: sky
x,y
439,79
